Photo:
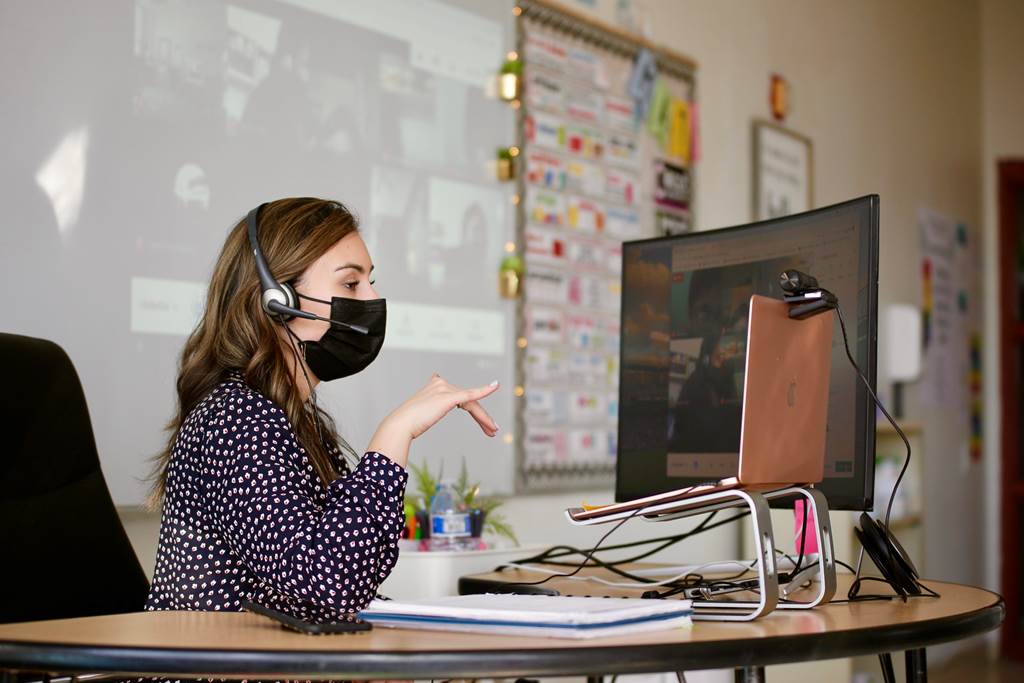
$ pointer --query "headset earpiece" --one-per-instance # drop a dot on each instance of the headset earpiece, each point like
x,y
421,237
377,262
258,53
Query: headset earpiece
x,y
280,303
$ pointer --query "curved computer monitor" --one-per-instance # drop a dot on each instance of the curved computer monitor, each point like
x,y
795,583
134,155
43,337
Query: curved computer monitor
x,y
684,315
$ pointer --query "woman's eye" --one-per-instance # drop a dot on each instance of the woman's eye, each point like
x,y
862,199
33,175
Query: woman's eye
x,y
351,285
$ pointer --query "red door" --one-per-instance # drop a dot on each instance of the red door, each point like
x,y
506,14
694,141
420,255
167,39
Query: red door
x,y
1011,248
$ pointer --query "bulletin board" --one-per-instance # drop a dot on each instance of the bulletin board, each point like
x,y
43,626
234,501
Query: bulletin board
x,y
607,148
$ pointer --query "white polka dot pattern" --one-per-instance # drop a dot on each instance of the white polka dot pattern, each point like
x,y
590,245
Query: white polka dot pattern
x,y
246,516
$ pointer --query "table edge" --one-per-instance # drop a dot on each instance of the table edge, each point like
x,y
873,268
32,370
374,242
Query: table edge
x,y
608,659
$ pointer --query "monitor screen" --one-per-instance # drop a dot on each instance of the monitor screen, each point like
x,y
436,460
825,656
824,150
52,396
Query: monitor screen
x,y
685,300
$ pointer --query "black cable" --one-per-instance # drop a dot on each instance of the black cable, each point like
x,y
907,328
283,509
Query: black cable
x,y
589,560
803,542
582,564
698,581
854,593
596,562
653,551
294,339
350,457
565,550
861,598
867,385
692,580
682,584
592,561
872,597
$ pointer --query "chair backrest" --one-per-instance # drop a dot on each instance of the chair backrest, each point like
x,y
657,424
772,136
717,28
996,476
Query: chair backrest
x,y
64,550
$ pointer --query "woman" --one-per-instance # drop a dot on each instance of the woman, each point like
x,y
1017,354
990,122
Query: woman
x,y
259,501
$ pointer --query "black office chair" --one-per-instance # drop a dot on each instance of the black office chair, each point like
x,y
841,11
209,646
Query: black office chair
x,y
63,550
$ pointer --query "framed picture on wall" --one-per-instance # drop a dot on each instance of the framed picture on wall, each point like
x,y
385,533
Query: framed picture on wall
x,y
783,166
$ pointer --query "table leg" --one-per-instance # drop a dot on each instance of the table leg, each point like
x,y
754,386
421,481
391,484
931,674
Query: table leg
x,y
885,661
749,674
917,666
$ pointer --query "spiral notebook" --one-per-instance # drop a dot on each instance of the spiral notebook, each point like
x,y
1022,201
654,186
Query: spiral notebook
x,y
557,616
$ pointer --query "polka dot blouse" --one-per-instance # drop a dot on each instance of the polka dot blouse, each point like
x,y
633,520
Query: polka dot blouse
x,y
246,516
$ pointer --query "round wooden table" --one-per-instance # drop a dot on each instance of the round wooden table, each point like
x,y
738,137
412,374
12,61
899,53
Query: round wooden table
x,y
218,644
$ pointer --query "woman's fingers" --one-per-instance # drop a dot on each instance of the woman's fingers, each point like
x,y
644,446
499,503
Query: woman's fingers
x,y
467,400
482,417
464,396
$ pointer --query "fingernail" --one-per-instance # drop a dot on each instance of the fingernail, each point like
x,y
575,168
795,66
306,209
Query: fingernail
x,y
496,427
494,383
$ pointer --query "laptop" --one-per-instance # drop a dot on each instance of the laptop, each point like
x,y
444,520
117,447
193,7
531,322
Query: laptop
x,y
784,413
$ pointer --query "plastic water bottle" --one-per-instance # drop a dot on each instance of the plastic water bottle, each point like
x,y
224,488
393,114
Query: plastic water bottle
x,y
449,525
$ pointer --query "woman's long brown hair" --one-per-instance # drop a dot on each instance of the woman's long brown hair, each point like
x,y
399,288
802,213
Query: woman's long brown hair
x,y
235,333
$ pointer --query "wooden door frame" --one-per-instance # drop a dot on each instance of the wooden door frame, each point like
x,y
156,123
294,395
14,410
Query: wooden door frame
x,y
1011,340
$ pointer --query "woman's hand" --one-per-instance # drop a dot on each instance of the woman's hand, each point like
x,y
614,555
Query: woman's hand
x,y
423,410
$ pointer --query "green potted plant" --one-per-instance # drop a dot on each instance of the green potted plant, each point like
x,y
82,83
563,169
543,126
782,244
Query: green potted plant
x,y
469,496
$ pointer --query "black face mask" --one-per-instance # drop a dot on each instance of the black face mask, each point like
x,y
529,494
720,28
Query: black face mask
x,y
341,351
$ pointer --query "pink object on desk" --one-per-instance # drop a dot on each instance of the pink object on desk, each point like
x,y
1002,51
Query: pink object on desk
x,y
811,540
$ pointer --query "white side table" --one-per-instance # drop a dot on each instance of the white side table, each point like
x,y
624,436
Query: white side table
x,y
431,574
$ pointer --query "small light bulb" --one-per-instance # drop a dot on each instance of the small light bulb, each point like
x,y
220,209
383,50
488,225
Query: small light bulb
x,y
509,87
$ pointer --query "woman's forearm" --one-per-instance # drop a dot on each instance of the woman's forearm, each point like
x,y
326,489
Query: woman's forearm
x,y
392,442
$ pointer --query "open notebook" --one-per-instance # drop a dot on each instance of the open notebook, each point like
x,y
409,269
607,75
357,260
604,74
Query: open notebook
x,y
560,616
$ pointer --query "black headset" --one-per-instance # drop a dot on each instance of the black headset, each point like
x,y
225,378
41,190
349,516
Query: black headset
x,y
885,551
279,299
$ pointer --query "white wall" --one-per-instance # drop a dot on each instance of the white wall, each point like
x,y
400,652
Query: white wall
x,y
1002,111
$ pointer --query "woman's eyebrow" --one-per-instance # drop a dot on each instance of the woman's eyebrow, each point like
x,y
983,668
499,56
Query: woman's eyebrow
x,y
354,266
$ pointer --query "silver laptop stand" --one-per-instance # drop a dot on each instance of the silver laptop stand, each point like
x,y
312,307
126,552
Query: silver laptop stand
x,y
708,609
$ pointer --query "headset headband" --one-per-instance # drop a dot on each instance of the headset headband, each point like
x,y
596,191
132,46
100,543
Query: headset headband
x,y
275,297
